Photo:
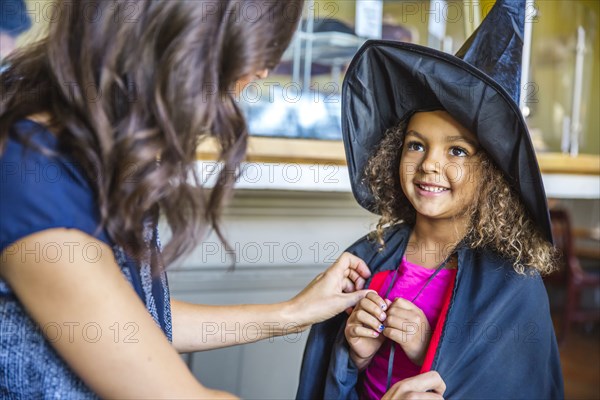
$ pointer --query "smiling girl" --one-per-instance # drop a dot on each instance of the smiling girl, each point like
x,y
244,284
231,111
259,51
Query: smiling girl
x,y
445,180
439,179
437,147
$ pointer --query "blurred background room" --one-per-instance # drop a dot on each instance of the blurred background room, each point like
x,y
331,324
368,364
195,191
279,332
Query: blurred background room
x,y
293,212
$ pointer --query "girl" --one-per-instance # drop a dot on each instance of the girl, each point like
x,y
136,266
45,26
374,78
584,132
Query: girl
x,y
443,155
99,124
446,183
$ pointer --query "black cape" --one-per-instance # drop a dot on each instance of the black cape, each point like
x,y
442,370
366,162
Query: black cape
x,y
497,341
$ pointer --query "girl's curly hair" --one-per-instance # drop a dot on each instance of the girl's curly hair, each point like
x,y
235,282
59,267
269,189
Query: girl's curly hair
x,y
498,218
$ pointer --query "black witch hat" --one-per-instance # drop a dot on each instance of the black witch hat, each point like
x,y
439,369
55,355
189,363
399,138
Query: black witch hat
x,y
388,81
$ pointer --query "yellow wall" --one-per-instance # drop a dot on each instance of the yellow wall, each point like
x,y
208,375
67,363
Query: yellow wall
x,y
558,19
593,134
553,64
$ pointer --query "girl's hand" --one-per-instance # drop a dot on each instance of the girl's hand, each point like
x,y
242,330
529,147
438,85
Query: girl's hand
x,y
407,325
429,385
331,292
363,329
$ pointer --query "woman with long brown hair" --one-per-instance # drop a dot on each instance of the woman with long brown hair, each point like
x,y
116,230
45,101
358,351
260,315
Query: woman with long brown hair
x,y
99,123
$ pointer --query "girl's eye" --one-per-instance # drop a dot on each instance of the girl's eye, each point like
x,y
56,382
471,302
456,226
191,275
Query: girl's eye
x,y
415,146
458,152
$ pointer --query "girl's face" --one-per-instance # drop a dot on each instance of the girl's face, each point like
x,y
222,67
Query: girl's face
x,y
438,165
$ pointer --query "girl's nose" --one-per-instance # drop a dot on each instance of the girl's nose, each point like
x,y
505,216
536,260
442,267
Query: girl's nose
x,y
431,163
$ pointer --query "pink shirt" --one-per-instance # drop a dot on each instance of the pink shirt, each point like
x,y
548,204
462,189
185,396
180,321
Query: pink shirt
x,y
410,279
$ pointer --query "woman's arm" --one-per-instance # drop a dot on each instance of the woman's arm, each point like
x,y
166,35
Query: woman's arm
x,y
76,285
200,327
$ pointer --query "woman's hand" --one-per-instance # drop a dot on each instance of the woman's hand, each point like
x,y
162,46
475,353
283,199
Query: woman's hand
x,y
363,329
332,291
427,386
407,325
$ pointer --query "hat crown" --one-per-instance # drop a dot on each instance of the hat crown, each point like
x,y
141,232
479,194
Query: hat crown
x,y
496,46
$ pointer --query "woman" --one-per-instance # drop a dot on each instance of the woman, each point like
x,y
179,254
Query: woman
x,y
108,109
98,128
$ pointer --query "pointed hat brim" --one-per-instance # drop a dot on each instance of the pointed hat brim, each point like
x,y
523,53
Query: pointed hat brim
x,y
388,81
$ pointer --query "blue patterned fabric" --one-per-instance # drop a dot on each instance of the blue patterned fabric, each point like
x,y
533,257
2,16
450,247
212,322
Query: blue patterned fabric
x,y
37,192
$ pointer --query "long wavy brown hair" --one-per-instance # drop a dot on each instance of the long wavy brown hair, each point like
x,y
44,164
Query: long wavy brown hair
x,y
132,87
498,219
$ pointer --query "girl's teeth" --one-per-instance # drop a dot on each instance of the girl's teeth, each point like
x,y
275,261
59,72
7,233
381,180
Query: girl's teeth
x,y
432,188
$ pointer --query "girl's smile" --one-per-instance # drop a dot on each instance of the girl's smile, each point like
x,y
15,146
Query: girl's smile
x,y
427,189
438,171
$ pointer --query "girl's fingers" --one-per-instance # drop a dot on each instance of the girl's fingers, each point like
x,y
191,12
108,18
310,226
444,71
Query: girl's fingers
x,y
395,335
424,386
368,314
367,305
404,333
423,396
404,304
403,321
375,298
427,381
368,320
398,315
361,331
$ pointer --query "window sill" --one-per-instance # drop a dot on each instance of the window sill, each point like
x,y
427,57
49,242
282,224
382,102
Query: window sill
x,y
327,152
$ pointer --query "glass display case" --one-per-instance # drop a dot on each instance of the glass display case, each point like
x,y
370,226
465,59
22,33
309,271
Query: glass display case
x,y
301,97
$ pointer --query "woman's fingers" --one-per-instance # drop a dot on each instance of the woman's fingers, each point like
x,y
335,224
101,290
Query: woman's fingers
x,y
331,292
353,270
350,263
357,281
348,286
